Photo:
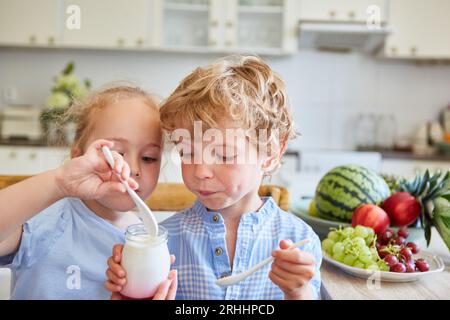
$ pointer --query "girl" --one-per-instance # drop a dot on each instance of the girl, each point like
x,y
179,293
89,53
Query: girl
x,y
57,244
230,228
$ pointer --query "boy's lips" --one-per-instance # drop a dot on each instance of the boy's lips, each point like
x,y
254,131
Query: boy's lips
x,y
206,193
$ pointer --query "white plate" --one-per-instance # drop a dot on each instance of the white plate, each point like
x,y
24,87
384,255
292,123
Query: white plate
x,y
435,262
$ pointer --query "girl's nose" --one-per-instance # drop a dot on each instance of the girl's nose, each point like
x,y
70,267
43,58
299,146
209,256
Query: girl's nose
x,y
203,171
133,162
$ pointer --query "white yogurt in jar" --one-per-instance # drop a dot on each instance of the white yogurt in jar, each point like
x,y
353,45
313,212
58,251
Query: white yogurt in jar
x,y
146,261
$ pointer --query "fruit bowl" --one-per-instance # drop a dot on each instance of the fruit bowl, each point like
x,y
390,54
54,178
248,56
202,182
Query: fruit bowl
x,y
435,262
322,226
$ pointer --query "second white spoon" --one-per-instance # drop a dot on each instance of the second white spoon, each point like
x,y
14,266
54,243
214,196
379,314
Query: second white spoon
x,y
232,280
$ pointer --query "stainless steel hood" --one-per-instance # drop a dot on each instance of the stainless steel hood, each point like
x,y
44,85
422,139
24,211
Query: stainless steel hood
x,y
342,37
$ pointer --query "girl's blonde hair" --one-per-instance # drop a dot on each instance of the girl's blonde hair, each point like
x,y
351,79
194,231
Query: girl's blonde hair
x,y
242,89
82,112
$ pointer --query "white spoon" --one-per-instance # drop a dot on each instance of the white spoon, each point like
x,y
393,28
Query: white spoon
x,y
144,212
232,280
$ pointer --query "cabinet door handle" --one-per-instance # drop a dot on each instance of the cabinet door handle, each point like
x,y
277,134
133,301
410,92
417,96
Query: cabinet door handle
x,y
213,42
332,13
120,42
394,50
351,14
32,39
214,23
413,50
33,156
140,42
51,40
13,155
230,24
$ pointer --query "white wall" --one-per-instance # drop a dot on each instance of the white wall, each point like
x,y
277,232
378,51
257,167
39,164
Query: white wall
x,y
327,89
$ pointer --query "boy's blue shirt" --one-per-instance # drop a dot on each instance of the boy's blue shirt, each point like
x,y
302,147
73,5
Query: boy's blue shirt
x,y
197,239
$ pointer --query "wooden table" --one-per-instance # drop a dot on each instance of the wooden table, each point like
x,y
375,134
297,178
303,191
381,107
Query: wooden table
x,y
337,285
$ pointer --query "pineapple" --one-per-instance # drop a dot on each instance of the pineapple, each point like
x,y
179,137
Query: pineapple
x,y
392,182
431,190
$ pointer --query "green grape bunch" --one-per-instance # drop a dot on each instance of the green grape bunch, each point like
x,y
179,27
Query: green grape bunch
x,y
355,247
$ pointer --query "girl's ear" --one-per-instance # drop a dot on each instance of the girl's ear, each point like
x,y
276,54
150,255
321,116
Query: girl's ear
x,y
75,152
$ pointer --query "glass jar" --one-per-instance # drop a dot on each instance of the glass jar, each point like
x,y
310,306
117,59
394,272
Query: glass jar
x,y
385,136
146,261
364,131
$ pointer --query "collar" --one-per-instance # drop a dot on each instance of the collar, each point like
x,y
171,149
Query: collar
x,y
257,217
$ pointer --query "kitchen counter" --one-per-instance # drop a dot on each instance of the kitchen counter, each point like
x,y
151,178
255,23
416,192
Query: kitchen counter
x,y
412,156
23,143
407,155
337,285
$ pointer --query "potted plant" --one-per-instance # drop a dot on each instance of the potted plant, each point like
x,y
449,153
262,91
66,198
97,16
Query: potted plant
x,y
57,126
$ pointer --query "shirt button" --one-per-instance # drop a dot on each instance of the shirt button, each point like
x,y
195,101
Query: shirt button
x,y
218,251
215,218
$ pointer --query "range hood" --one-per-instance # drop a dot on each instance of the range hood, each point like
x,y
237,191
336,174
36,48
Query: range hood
x,y
342,37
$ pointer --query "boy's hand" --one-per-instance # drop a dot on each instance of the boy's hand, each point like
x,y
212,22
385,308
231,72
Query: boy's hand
x,y
90,177
292,270
117,278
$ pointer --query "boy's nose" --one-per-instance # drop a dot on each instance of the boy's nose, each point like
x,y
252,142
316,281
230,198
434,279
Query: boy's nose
x,y
203,171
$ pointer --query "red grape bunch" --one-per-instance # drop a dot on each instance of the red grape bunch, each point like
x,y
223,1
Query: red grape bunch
x,y
398,253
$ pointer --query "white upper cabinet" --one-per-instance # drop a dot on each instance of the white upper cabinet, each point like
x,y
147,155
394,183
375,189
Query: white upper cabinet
x,y
29,23
340,10
260,26
109,24
420,29
256,26
266,24
185,24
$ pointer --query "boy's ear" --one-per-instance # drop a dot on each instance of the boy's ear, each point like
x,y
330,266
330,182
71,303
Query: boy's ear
x,y
270,163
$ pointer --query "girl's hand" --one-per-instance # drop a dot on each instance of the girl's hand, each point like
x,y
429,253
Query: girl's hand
x,y
292,270
90,177
117,278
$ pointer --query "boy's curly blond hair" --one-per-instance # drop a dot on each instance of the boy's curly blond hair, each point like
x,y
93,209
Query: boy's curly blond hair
x,y
242,89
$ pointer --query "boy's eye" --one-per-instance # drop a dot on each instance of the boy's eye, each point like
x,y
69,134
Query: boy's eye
x,y
226,158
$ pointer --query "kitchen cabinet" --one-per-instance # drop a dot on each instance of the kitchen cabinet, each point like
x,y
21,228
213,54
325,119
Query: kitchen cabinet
x,y
30,160
261,26
111,24
29,23
410,168
421,29
340,10
256,26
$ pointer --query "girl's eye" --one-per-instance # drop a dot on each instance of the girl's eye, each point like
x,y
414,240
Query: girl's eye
x,y
186,157
149,159
185,154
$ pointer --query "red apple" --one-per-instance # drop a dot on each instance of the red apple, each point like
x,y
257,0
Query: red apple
x,y
370,215
403,209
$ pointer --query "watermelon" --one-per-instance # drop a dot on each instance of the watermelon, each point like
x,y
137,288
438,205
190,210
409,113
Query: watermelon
x,y
345,188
